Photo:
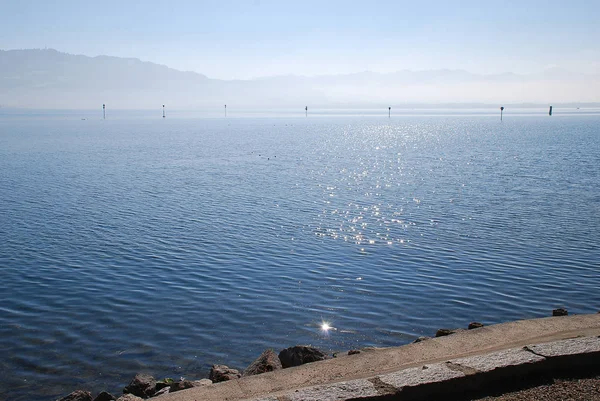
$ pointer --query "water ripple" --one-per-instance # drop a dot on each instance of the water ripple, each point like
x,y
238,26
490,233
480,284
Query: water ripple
x,y
132,246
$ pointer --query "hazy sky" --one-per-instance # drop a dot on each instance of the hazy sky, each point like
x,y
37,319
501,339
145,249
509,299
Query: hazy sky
x,y
253,38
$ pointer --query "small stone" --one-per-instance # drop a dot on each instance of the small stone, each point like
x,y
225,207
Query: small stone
x,y
181,385
475,325
166,382
142,386
354,352
447,332
105,396
268,361
164,390
299,355
78,395
221,373
422,338
560,312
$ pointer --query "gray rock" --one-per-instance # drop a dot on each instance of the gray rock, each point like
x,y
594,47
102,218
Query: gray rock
x,y
299,355
498,360
105,396
268,361
142,386
202,382
354,352
162,391
350,390
422,338
560,312
447,332
129,397
221,373
78,395
412,377
572,346
181,385
475,325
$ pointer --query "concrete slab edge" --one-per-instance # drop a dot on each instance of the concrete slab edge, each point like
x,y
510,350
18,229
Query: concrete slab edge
x,y
459,376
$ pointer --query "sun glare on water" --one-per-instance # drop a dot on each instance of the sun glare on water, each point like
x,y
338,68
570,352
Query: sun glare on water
x,y
326,327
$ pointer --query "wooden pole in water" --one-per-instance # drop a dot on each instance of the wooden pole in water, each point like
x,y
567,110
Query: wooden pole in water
x,y
225,111
390,112
104,111
501,110
306,110
550,111
163,111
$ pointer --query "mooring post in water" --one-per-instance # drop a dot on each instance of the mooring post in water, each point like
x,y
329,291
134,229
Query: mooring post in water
x,y
389,111
550,111
225,111
103,111
163,111
501,110
306,110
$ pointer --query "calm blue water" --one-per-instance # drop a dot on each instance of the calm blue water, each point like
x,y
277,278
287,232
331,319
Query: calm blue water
x,y
165,246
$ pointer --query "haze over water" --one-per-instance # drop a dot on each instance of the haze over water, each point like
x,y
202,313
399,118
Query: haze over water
x,y
164,246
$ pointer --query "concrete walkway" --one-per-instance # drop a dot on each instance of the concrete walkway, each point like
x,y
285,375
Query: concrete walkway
x,y
366,370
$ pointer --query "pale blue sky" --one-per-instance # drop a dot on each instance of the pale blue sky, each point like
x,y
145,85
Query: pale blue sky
x,y
253,38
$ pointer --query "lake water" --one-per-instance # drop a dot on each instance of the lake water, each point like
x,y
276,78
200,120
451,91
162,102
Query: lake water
x,y
164,246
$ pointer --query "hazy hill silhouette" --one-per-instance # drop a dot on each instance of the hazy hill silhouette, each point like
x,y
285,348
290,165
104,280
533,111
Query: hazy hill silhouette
x,y
51,79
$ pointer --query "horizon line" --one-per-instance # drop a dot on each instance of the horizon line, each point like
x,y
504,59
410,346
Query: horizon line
x,y
289,75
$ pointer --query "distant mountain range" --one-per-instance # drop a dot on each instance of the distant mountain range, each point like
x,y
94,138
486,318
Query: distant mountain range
x,y
52,79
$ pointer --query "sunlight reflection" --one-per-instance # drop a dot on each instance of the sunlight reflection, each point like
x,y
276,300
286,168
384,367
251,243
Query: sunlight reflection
x,y
326,327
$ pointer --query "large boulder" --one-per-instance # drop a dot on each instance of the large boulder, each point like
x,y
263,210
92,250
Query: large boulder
x,y
105,396
221,373
268,361
78,395
142,386
299,355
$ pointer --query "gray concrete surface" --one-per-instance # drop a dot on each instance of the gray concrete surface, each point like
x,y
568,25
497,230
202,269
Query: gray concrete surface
x,y
464,360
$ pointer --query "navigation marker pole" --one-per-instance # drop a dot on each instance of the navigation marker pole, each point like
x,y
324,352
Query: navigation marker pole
x,y
501,110
163,111
550,111
390,112
306,110
104,111
225,111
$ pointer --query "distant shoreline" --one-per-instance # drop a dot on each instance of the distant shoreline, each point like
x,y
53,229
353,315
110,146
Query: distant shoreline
x,y
316,109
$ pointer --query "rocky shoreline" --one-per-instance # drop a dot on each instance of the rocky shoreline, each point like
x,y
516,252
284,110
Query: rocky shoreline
x,y
144,386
